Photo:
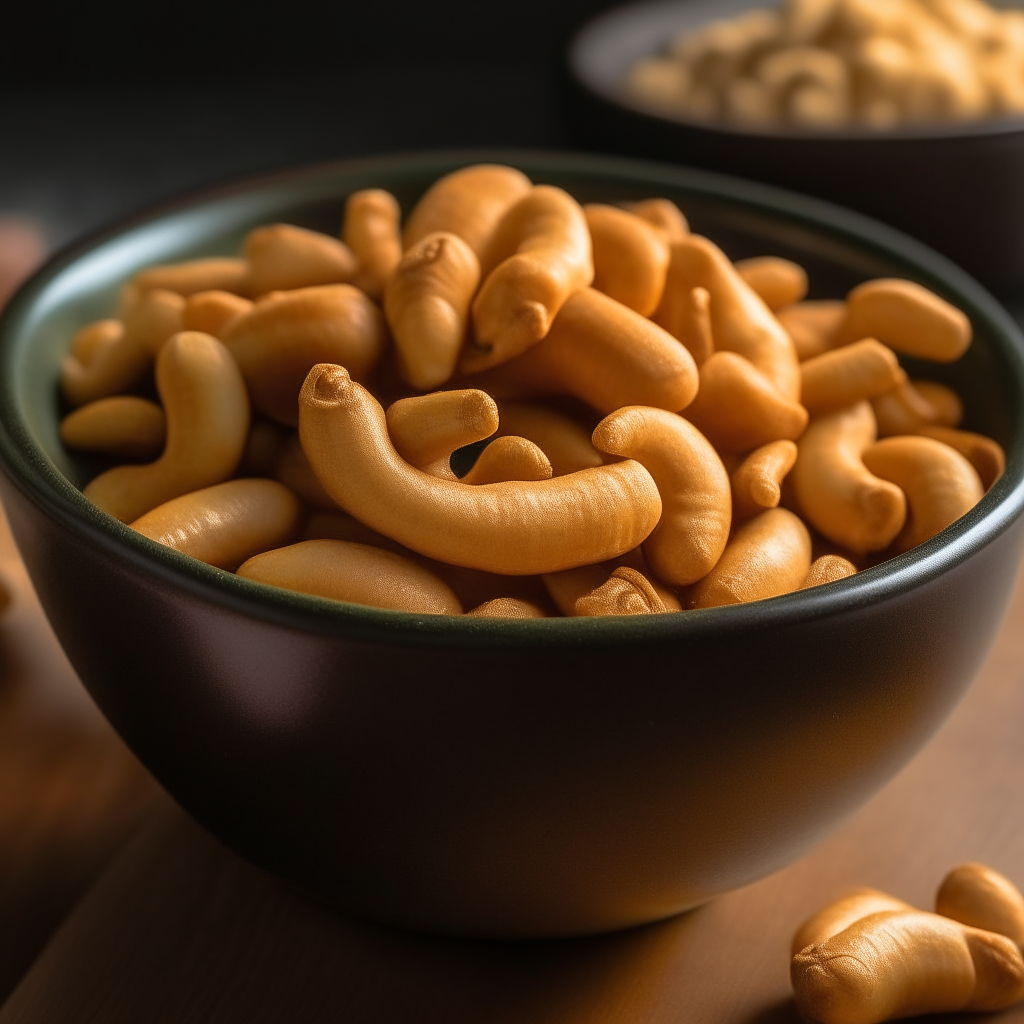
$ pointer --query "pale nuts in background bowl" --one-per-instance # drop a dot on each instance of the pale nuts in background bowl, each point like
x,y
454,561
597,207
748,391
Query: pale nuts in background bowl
x,y
496,777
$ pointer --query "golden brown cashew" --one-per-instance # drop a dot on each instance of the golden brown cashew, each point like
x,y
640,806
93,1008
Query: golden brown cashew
x,y
767,556
948,406
566,587
122,426
116,366
897,964
517,529
738,410
975,895
540,253
664,215
344,571
828,569
426,301
686,314
566,444
630,257
225,524
207,409
841,378
371,232
696,505
292,468
834,490
779,283
216,273
838,916
908,318
757,481
507,608
984,454
509,458
604,353
740,320
813,326
212,311
903,410
90,339
940,484
468,202
426,429
283,256
627,592
277,342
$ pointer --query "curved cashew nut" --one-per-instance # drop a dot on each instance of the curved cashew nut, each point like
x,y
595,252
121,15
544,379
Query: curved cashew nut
x,y
757,481
468,202
908,318
740,320
985,455
903,410
604,353
540,253
518,529
118,366
370,230
284,335
828,569
225,524
779,283
813,326
696,504
426,429
841,378
565,443
767,556
215,273
838,916
509,458
282,257
627,592
975,895
630,257
566,587
686,315
507,608
940,484
212,311
662,214
901,964
835,491
948,406
292,468
738,410
89,340
344,571
207,409
426,301
122,426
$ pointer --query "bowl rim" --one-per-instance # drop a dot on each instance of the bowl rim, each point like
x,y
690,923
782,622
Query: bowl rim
x,y
618,97
29,469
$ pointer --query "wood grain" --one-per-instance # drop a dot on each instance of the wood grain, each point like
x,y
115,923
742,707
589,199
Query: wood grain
x,y
179,929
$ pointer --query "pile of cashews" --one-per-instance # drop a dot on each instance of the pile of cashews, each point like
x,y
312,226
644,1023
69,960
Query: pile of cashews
x,y
663,429
819,64
870,957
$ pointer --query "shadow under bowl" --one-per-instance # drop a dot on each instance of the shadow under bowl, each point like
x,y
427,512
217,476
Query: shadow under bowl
x,y
956,186
492,777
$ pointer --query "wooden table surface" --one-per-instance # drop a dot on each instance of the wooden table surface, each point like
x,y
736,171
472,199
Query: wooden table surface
x,y
179,929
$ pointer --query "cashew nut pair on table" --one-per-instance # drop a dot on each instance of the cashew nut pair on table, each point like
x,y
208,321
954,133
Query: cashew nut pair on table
x,y
661,429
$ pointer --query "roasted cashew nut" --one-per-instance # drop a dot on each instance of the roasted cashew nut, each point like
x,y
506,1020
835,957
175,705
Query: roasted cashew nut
x,y
903,410
207,410
841,378
507,608
975,895
215,273
121,426
838,916
695,498
564,442
371,231
828,569
985,455
344,571
225,524
283,257
509,458
627,592
686,315
212,311
757,481
426,301
948,405
518,529
662,214
813,326
779,283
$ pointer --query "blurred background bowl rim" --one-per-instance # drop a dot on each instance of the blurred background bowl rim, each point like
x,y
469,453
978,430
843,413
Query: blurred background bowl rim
x,y
28,468
606,22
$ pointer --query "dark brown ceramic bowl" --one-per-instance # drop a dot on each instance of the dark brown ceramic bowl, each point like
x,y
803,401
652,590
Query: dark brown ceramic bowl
x,y
958,187
500,777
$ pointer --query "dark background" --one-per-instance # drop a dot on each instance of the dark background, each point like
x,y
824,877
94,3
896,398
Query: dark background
x,y
104,110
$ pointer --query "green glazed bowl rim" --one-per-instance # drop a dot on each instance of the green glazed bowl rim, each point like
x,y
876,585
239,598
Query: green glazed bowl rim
x,y
30,469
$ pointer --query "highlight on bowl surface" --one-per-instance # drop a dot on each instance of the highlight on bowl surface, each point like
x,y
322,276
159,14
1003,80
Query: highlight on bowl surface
x,y
826,64
518,406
